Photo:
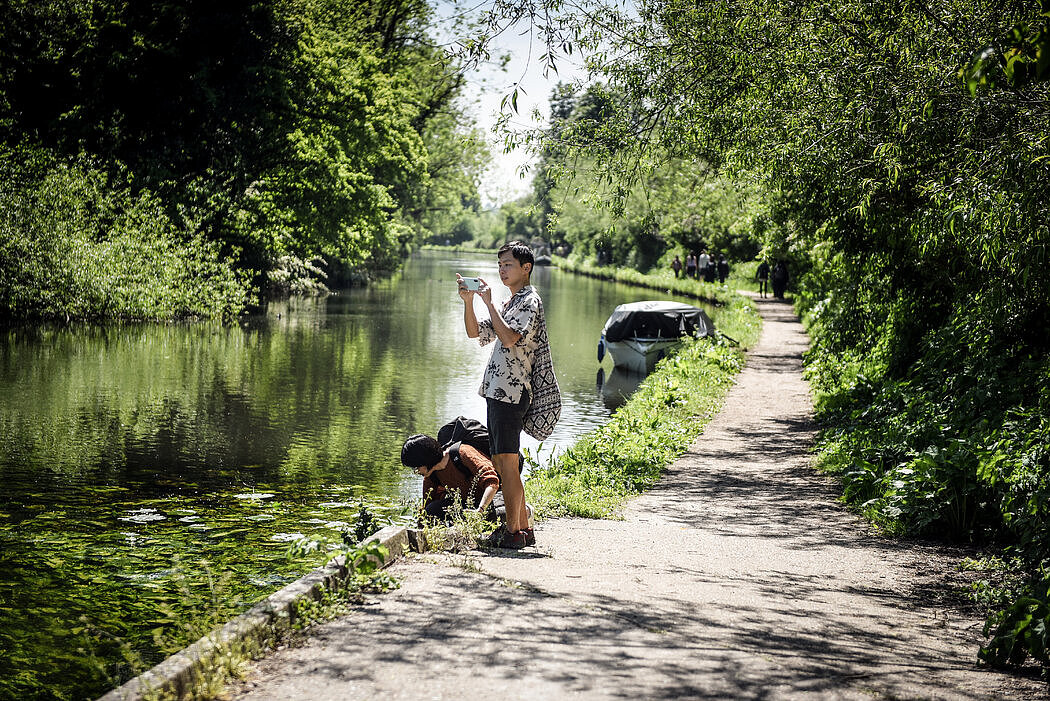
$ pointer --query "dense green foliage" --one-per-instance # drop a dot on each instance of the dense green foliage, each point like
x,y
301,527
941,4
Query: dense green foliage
x,y
636,217
642,219
73,247
267,136
896,152
627,455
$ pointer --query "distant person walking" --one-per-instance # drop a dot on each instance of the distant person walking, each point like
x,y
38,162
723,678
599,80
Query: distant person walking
x,y
701,265
762,275
690,265
780,279
723,269
676,266
711,269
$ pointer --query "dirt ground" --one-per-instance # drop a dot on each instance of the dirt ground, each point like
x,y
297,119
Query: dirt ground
x,y
739,576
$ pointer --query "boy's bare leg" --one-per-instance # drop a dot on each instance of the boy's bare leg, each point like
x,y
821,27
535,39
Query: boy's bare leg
x,y
506,465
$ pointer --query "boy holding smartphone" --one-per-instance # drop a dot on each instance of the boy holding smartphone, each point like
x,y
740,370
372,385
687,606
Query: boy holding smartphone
x,y
517,330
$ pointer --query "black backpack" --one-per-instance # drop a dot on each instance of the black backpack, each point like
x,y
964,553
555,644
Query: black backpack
x,y
472,432
464,430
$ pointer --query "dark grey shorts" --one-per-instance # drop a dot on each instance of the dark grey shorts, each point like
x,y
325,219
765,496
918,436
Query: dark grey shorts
x,y
504,420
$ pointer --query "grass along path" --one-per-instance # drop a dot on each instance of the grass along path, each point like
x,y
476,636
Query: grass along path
x,y
626,456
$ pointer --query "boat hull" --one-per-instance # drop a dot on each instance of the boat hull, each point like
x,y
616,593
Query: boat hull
x,y
639,355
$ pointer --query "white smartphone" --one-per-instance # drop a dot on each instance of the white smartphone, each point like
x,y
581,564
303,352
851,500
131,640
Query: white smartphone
x,y
472,283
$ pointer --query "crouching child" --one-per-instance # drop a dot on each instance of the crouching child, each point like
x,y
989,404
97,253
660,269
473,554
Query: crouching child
x,y
459,472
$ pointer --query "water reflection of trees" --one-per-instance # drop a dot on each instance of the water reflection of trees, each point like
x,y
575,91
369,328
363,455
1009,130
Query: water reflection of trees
x,y
202,404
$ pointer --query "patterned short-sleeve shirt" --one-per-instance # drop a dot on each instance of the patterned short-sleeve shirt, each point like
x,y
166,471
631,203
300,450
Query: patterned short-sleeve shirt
x,y
510,369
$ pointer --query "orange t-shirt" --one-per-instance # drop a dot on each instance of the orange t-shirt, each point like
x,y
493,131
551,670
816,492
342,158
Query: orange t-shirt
x,y
440,482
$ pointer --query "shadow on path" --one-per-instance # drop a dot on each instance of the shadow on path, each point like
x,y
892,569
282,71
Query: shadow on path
x,y
606,646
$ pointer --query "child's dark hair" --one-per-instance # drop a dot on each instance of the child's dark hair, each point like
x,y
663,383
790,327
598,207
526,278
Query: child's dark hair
x,y
521,252
420,450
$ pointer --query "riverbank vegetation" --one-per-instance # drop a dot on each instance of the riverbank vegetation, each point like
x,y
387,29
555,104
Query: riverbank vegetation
x,y
171,159
895,155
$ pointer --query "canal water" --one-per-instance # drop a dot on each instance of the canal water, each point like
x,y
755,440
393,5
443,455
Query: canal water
x,y
150,470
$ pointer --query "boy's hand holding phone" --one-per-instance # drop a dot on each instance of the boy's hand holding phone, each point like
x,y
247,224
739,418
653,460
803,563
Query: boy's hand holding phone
x,y
467,286
474,285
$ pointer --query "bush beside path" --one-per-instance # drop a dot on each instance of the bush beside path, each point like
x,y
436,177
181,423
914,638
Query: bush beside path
x,y
739,575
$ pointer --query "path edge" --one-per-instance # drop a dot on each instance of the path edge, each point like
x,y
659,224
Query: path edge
x,y
248,634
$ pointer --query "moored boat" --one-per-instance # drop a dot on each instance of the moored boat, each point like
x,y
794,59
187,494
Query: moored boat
x,y
639,334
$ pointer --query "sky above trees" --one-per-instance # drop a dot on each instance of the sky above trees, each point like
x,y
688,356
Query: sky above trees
x,y
493,81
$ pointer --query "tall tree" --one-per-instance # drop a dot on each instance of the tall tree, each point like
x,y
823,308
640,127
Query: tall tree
x,y
283,129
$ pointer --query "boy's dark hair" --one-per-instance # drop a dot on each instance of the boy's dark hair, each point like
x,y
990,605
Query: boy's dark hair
x,y
521,252
420,450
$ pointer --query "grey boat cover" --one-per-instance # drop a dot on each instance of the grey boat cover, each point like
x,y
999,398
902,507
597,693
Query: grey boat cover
x,y
654,319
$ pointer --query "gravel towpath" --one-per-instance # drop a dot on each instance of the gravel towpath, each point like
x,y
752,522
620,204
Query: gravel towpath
x,y
738,576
